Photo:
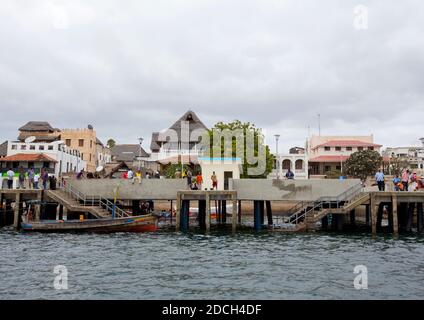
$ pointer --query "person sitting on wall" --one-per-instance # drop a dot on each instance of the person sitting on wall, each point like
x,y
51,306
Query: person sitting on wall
x,y
289,174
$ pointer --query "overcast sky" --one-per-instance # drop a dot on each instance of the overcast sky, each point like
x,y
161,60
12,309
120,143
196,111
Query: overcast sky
x,y
133,67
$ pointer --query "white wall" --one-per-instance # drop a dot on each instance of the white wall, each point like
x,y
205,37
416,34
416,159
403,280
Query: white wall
x,y
219,166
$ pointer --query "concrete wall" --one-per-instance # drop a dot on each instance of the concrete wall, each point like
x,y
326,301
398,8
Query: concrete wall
x,y
154,189
219,166
247,189
293,190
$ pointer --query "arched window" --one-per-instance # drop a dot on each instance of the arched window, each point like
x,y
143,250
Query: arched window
x,y
299,164
287,164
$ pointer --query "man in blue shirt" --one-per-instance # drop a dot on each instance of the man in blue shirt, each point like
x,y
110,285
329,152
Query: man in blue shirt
x,y
379,178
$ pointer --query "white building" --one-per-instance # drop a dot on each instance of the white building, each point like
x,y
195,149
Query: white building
x,y
296,162
413,155
55,156
224,168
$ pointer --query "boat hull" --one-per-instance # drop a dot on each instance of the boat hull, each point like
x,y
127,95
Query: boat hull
x,y
128,224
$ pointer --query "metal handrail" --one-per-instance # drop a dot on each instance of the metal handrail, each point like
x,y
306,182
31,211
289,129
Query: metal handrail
x,y
102,202
319,203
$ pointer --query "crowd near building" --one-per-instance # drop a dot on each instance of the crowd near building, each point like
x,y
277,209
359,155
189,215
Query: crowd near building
x,y
60,152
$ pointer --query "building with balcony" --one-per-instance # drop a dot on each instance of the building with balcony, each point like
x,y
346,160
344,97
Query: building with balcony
x,y
296,162
329,153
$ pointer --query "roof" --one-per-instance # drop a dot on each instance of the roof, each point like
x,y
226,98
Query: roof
x,y
194,124
99,142
127,152
31,157
37,126
329,159
346,143
38,138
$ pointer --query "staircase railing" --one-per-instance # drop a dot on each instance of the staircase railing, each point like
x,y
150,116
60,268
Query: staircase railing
x,y
95,201
320,202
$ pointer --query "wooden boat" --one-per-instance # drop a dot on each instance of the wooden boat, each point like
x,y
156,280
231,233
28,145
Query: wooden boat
x,y
143,223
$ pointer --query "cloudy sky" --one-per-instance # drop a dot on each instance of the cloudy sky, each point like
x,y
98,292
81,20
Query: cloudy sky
x,y
133,67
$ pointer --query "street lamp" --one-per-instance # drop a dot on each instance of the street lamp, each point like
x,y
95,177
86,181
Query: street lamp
x,y
277,160
139,154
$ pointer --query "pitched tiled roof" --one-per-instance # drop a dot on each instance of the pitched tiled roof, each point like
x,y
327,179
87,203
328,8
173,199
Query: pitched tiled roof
x,y
31,157
346,143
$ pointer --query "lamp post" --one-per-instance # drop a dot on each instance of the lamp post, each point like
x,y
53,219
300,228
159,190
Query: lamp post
x,y
277,160
139,154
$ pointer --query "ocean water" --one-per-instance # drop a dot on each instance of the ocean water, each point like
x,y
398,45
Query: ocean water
x,y
170,265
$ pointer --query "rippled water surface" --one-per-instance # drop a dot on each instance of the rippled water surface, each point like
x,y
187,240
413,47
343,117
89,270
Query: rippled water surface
x,y
167,265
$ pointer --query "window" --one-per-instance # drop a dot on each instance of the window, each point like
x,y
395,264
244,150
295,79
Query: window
x,y
50,147
338,148
31,147
14,147
81,142
68,142
348,148
327,148
30,164
360,148
370,148
46,164
338,168
23,147
91,143
90,157
40,147
82,156
327,168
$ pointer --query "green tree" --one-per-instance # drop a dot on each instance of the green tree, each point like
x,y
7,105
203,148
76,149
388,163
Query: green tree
x,y
396,165
240,145
111,143
171,169
362,164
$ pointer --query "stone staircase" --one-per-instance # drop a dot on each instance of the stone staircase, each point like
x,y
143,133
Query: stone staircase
x,y
72,204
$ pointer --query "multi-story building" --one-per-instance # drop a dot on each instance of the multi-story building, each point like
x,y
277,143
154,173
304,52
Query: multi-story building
x,y
85,141
180,142
296,162
53,156
413,155
329,153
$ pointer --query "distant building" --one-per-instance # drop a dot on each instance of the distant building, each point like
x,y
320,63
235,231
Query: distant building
x,y
85,141
329,153
103,153
41,131
413,155
134,157
296,162
297,150
180,141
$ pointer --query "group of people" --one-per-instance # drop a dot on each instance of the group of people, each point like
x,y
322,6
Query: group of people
x,y
31,175
407,181
195,182
137,176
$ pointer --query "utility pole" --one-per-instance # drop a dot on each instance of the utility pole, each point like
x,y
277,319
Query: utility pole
x,y
319,124
277,160
139,154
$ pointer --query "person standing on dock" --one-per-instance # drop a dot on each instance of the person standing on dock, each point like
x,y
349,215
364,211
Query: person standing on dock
x,y
379,178
130,175
290,174
396,182
21,178
199,180
405,180
36,179
44,178
189,179
10,175
214,181
31,178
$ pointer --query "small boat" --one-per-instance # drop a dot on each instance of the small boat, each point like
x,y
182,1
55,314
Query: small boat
x,y
143,223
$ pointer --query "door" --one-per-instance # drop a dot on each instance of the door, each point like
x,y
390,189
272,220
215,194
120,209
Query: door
x,y
227,175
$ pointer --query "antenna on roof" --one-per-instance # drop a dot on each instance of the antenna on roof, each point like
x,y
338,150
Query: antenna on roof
x,y
90,127
319,124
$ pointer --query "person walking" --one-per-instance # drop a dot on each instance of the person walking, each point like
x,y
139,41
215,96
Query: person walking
x,y
31,178
137,177
189,179
130,175
214,181
405,179
379,178
10,175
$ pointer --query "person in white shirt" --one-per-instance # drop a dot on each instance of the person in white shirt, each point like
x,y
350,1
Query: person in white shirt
x,y
10,175
130,174
36,179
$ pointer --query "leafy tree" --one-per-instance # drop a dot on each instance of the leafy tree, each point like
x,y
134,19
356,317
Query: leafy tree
x,y
171,169
396,165
362,164
333,174
247,140
111,143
